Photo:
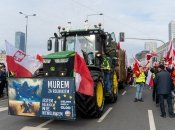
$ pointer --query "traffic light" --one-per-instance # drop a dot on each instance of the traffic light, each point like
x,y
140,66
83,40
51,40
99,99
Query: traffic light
x,y
122,36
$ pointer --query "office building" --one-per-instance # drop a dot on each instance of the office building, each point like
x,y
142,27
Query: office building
x,y
20,41
150,46
171,30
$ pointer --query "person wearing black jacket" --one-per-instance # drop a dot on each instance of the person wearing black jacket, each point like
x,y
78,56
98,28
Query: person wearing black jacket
x,y
2,79
155,96
164,87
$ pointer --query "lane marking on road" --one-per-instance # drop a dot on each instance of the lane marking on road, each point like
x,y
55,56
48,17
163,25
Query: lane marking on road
x,y
124,93
39,127
151,120
3,109
33,128
104,115
45,123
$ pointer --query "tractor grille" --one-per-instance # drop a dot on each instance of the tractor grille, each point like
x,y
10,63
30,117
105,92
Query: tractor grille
x,y
53,69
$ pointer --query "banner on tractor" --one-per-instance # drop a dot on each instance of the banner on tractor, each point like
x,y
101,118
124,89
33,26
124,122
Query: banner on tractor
x,y
49,97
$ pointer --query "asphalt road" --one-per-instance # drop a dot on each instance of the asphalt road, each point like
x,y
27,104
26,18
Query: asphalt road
x,y
123,115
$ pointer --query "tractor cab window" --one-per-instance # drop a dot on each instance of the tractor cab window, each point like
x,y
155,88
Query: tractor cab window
x,y
70,42
87,43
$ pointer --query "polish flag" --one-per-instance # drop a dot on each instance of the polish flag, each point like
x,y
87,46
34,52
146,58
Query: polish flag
x,y
20,63
149,79
39,57
150,55
83,78
136,69
170,53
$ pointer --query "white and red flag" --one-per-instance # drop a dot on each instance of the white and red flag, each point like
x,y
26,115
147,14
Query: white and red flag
x,y
20,63
136,69
150,55
83,78
170,53
149,79
39,57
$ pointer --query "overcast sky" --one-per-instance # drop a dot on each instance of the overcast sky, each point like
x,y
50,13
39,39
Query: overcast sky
x,y
137,18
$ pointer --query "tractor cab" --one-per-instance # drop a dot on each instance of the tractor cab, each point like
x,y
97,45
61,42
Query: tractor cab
x,y
92,44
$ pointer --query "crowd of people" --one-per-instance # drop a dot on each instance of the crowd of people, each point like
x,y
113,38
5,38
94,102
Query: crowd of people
x,y
162,89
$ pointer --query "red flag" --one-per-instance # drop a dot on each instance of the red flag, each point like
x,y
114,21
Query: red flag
x,y
149,79
170,53
118,46
20,63
83,78
136,69
39,57
150,55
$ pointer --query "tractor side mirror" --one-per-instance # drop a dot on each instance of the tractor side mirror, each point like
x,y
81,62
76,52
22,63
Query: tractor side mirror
x,y
49,45
56,45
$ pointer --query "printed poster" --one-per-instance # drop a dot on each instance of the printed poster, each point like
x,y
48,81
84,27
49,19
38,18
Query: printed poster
x,y
42,97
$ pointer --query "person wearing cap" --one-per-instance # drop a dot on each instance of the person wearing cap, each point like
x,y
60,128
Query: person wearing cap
x,y
140,83
164,87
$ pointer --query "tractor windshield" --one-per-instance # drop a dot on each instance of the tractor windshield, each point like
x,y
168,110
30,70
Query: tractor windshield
x,y
87,43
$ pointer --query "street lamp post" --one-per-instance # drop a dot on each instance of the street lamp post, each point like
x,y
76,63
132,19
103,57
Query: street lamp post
x,y
147,39
26,16
92,15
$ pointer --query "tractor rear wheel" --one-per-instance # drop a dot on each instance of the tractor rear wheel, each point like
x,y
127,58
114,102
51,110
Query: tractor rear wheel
x,y
114,94
92,106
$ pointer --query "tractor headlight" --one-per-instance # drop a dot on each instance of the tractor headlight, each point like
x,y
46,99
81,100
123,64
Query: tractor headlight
x,y
61,60
62,73
46,60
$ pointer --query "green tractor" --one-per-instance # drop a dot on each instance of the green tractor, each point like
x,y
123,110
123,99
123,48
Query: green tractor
x,y
96,48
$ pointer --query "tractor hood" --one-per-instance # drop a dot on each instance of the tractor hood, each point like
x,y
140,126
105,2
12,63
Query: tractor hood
x,y
59,55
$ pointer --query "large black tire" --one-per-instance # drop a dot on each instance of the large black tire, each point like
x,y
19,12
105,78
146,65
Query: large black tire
x,y
114,91
92,106
113,96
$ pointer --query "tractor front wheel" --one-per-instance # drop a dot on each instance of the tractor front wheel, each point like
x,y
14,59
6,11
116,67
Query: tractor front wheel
x,y
92,106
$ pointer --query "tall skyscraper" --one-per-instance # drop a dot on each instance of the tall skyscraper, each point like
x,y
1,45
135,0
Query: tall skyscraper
x,y
20,41
172,30
151,46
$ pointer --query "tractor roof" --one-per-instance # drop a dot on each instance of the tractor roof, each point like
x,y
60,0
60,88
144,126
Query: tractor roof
x,y
82,32
59,55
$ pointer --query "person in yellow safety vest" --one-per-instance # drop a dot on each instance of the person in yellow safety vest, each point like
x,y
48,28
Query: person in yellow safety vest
x,y
105,63
106,66
140,83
